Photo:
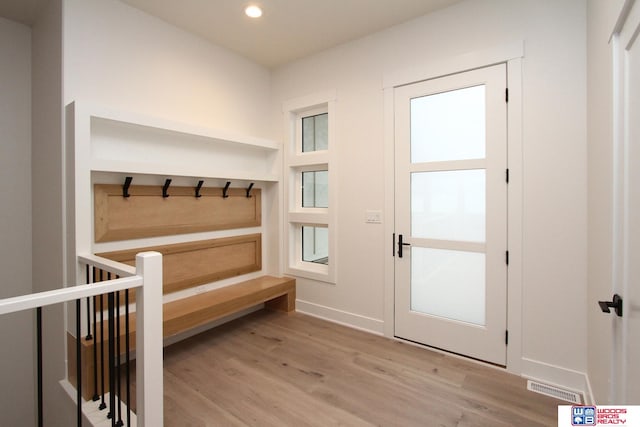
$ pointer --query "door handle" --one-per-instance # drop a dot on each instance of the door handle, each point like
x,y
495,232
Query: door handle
x,y
400,245
616,304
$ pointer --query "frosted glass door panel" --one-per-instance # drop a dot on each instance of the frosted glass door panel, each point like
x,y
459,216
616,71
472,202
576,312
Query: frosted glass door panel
x,y
449,284
451,209
448,126
449,205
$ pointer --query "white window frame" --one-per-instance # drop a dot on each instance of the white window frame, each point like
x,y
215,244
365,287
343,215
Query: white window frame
x,y
296,162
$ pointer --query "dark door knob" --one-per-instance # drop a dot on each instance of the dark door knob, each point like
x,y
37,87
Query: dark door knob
x,y
401,244
616,304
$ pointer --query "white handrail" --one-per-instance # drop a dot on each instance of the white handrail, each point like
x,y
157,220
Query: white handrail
x,y
41,299
108,265
146,278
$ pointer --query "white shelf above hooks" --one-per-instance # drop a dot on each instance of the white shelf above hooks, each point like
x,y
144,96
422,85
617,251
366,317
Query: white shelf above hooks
x,y
122,142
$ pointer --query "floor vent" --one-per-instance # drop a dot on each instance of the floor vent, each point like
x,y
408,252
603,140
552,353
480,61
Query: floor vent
x,y
554,391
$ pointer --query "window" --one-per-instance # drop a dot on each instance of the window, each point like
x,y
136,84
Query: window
x,y
315,189
315,133
309,173
315,244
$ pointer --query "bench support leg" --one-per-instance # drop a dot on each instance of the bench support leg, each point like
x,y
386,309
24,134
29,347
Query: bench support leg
x,y
286,302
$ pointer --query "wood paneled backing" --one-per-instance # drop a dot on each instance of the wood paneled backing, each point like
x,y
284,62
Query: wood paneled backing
x,y
186,265
145,213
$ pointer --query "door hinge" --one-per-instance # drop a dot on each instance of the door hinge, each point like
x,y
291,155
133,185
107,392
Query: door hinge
x,y
507,176
506,95
507,257
506,337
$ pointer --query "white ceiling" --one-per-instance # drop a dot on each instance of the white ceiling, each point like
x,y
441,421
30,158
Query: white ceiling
x,y
288,29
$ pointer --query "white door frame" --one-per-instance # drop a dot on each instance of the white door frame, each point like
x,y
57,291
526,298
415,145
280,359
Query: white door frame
x,y
512,55
622,34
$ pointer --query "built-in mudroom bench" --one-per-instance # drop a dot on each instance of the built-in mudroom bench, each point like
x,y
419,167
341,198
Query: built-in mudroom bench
x,y
204,199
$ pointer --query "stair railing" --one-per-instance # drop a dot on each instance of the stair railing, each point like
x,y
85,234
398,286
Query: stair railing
x,y
146,280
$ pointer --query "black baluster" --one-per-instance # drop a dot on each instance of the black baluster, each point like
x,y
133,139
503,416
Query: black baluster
x,y
39,362
112,382
127,351
78,367
96,397
103,404
118,379
88,337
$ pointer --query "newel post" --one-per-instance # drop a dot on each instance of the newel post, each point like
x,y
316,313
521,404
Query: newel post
x,y
149,381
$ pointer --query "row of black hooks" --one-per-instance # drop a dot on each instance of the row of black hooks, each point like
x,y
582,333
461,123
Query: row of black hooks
x,y
167,183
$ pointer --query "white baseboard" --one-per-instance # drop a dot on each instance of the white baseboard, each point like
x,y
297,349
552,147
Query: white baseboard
x,y
356,321
568,379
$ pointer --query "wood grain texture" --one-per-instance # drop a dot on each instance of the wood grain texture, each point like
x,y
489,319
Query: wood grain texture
x,y
145,213
267,369
184,314
187,313
185,265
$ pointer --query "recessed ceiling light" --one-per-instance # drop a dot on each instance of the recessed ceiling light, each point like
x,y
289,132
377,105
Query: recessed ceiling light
x,y
253,11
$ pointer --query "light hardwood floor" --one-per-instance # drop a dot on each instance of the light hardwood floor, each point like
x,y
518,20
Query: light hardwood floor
x,y
274,369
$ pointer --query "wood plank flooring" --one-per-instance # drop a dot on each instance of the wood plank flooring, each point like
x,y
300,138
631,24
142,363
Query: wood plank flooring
x,y
275,369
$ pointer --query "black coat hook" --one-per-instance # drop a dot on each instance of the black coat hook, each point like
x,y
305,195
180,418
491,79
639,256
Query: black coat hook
x,y
225,189
167,183
249,190
198,188
125,187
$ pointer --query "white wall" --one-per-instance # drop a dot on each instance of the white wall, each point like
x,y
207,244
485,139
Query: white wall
x,y
601,20
48,201
120,57
554,144
16,331
123,58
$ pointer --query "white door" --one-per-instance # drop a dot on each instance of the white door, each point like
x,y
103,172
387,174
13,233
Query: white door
x,y
626,346
451,213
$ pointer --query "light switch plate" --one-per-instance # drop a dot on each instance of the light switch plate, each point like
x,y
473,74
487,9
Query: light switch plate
x,y
373,217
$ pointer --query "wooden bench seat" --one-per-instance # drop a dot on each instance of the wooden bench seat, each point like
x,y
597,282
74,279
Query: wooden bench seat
x,y
187,313
277,293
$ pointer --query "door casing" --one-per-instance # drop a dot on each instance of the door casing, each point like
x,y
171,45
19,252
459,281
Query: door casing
x,y
434,330
625,349
512,54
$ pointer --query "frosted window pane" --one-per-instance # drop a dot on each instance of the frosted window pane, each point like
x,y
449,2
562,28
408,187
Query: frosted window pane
x,y
449,284
315,133
448,126
315,244
448,205
315,189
